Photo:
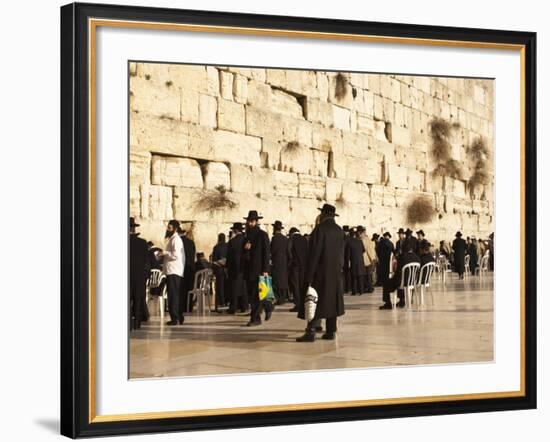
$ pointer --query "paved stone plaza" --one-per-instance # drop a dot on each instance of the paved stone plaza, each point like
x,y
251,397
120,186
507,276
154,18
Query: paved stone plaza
x,y
457,328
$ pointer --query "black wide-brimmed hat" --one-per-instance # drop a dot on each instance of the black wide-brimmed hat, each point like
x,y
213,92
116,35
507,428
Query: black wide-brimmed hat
x,y
133,222
328,209
420,232
293,230
408,231
277,225
458,234
387,235
400,231
425,244
375,236
253,214
360,229
345,228
237,226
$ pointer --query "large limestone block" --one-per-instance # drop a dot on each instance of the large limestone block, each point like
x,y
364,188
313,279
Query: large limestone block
x,y
303,210
390,88
459,188
189,77
201,142
327,139
231,116
301,82
333,189
208,109
462,205
242,178
480,207
361,170
416,180
155,73
216,174
212,81
271,153
156,202
355,192
147,98
140,166
356,214
240,89
232,147
189,106
319,163
285,183
285,104
262,123
258,74
295,157
365,124
274,208
188,205
226,85
264,182
159,135
382,217
276,77
401,136
341,118
318,111
346,100
258,94
376,194
381,130
298,130
388,197
322,85
205,236
311,187
135,201
174,171
357,145
401,197
398,176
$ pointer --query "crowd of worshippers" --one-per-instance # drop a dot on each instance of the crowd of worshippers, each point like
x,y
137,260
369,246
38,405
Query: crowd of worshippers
x,y
331,259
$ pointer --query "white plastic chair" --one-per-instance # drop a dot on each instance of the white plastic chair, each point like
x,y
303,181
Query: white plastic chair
x,y
483,265
408,283
443,267
466,265
424,281
156,277
201,289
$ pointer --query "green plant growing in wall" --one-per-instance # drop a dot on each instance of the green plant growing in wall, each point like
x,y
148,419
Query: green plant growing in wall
x,y
217,199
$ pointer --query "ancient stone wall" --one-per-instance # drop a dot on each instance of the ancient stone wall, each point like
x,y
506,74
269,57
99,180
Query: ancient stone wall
x,y
285,141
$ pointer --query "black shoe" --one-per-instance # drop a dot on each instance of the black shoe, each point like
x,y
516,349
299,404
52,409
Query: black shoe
x,y
370,290
253,323
318,329
401,304
172,323
181,320
385,306
294,310
329,336
306,337
268,314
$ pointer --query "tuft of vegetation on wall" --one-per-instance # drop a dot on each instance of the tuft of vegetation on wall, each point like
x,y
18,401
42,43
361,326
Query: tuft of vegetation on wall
x,y
440,133
216,199
479,153
341,86
420,210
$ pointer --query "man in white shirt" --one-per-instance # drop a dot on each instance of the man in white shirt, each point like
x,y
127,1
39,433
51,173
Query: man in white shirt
x,y
172,267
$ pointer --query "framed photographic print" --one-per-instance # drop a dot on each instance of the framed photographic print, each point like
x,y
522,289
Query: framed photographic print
x,y
274,220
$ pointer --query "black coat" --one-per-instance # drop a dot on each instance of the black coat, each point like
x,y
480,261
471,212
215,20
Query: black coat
x,y
297,245
459,248
279,260
402,260
353,256
324,269
425,259
472,251
256,259
140,264
384,251
190,251
219,251
235,252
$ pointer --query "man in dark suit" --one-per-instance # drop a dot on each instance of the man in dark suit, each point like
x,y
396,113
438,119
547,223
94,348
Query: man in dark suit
x,y
353,259
459,249
234,264
411,239
406,257
219,258
256,264
420,236
140,267
324,274
347,272
188,270
279,263
297,266
385,251
425,255
399,244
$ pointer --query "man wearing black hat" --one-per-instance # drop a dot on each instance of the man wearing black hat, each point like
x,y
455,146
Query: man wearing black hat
x,y
411,239
406,257
385,251
256,263
188,270
172,266
139,272
353,259
399,244
459,249
425,255
297,266
347,273
234,264
279,261
324,274
420,236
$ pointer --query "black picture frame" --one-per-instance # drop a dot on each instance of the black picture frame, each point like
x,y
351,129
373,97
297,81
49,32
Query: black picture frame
x,y
75,220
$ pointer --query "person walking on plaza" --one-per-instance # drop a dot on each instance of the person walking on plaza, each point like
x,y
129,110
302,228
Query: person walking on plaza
x,y
459,249
279,262
369,257
140,267
188,271
173,264
406,257
385,252
256,264
472,252
297,245
219,260
324,274
234,264
353,259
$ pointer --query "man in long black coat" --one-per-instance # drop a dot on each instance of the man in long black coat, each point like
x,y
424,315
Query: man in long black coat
x,y
297,245
324,274
353,259
425,256
385,250
140,267
234,265
219,258
472,251
256,264
459,249
347,272
399,244
279,262
188,271
407,256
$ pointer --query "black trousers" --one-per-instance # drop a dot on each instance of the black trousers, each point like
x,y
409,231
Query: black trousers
x,y
281,295
390,285
239,297
256,306
330,325
296,281
173,286
357,284
368,286
347,280
186,285
220,288
138,308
